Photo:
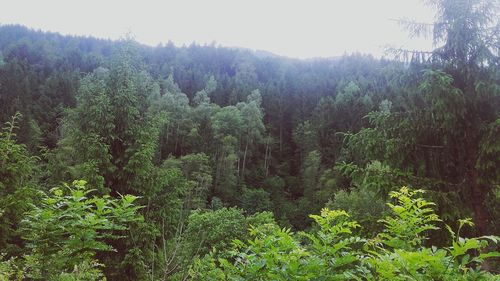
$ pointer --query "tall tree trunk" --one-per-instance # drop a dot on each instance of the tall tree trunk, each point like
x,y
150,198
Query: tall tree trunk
x,y
168,128
478,196
176,138
478,191
265,157
244,161
281,137
238,168
268,162
481,216
217,170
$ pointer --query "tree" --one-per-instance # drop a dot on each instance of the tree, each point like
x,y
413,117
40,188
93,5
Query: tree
x,y
226,125
311,173
253,127
363,205
18,176
175,105
254,200
112,133
198,172
111,140
202,135
306,138
466,94
212,231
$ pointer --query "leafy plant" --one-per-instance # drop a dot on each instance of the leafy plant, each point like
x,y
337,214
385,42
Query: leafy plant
x,y
70,226
17,185
398,253
411,218
333,251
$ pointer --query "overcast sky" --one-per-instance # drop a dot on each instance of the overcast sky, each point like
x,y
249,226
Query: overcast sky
x,y
294,28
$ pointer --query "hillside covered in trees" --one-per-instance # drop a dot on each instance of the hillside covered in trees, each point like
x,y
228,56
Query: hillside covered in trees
x,y
121,161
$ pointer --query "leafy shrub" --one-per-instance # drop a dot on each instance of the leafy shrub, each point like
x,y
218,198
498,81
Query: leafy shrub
x,y
255,200
363,205
333,251
64,232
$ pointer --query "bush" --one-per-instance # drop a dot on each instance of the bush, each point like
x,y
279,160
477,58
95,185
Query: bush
x,y
363,205
68,227
334,251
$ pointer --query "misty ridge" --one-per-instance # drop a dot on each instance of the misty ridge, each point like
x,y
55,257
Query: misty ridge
x,y
125,161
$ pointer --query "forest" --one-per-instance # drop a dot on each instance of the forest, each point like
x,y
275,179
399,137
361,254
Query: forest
x,y
121,161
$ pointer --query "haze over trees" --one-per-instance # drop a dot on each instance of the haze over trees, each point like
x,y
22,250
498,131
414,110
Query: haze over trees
x,y
120,161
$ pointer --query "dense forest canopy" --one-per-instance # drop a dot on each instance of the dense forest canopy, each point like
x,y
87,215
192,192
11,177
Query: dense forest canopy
x,y
121,161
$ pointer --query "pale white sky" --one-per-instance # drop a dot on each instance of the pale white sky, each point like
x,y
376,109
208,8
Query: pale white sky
x,y
295,28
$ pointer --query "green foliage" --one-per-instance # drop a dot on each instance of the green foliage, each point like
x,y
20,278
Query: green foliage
x,y
196,168
274,253
70,226
203,126
227,122
311,172
211,233
206,269
254,200
305,137
489,154
411,218
333,251
251,112
405,257
85,271
363,205
112,133
214,229
10,270
253,127
336,243
17,185
445,102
